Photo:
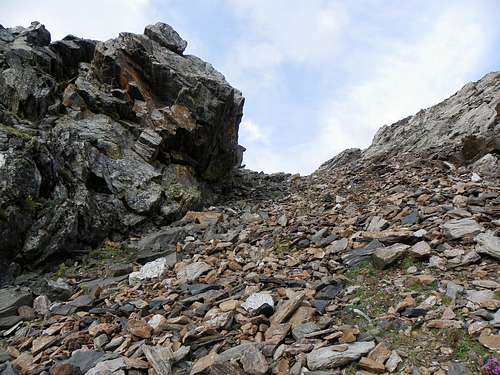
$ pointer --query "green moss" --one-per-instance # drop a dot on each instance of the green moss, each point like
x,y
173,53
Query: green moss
x,y
281,246
3,216
16,132
30,204
447,300
364,268
422,288
60,272
110,250
469,349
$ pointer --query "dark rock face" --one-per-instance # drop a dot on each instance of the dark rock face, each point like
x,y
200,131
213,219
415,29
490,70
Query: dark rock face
x,y
98,139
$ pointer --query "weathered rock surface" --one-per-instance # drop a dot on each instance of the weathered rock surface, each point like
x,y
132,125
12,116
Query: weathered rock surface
x,y
100,138
337,355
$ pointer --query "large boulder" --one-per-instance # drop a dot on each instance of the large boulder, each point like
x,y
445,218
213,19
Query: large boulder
x,y
101,139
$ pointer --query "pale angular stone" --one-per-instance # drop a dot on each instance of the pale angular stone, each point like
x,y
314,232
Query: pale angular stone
x,y
488,244
256,300
151,270
193,271
420,250
393,361
337,355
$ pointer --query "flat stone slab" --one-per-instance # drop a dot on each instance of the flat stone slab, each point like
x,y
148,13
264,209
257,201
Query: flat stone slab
x,y
337,355
12,298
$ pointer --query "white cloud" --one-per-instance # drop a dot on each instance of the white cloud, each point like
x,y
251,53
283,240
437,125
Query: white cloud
x,y
410,78
295,29
95,19
280,32
250,132
396,79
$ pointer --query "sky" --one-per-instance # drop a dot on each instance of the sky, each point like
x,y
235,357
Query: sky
x,y
319,76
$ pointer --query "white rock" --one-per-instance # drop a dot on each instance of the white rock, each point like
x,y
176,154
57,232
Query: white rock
x,y
420,233
41,305
150,270
488,244
158,322
337,355
475,177
256,300
393,361
194,270
2,159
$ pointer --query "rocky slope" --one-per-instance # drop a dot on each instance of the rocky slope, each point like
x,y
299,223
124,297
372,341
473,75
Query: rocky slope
x,y
383,261
98,139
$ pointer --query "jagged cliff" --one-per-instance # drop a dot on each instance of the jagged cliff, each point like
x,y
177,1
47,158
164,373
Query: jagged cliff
x,y
98,139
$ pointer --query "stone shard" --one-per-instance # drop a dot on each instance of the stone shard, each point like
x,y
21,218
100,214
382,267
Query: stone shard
x,y
148,144
250,357
337,355
488,244
385,256
393,361
458,228
193,271
420,250
284,311
160,358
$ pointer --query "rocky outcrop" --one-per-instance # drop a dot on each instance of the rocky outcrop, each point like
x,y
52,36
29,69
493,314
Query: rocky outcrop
x,y
463,129
98,139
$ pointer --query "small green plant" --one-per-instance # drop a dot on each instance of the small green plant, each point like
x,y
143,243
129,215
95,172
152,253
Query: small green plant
x,y
364,268
30,204
281,246
447,301
468,348
16,132
61,271
351,369
421,288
